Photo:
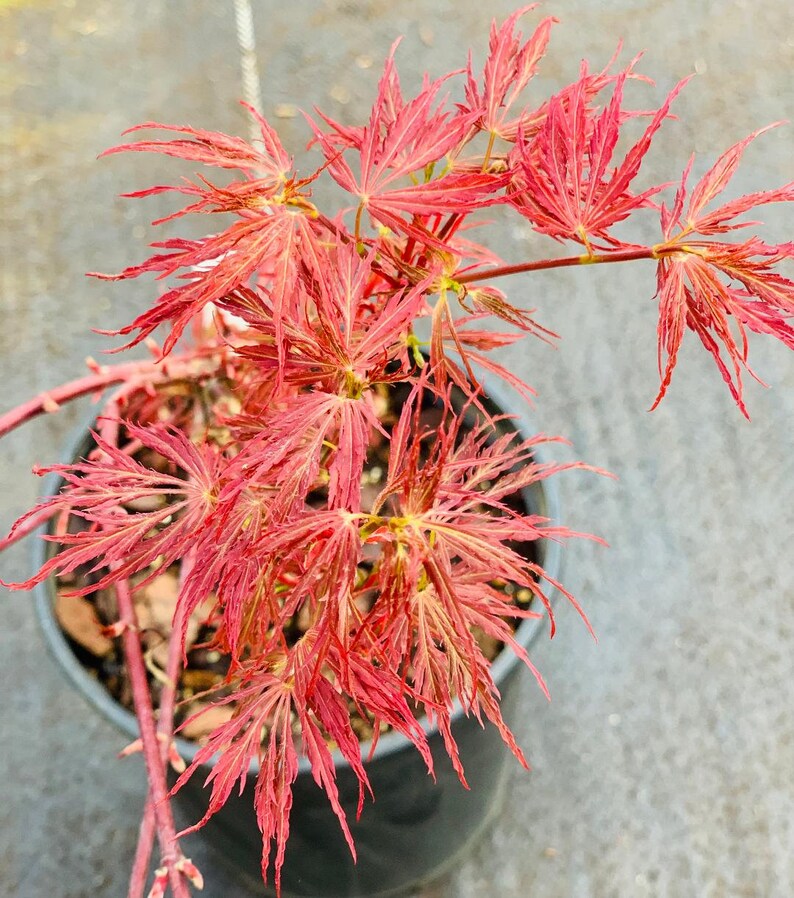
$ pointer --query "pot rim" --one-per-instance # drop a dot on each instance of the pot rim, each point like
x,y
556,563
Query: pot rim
x,y
390,743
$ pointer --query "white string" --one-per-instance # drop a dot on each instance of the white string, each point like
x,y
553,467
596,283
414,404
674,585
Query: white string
x,y
249,66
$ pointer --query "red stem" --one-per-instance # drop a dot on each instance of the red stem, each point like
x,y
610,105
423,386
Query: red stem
x,y
174,662
451,222
134,373
165,729
163,822
72,390
142,701
568,261
66,392
143,852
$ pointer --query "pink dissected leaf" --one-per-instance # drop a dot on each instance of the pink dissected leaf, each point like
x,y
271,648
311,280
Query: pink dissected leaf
x,y
425,634
490,617
322,551
380,338
398,141
238,196
233,567
508,69
355,420
715,180
287,455
348,337
126,541
329,707
217,149
490,609
298,246
443,498
271,234
502,372
484,340
716,222
447,664
670,218
453,192
265,703
711,287
214,268
381,692
447,333
564,184
692,295
444,368
492,301
403,139
415,136
592,84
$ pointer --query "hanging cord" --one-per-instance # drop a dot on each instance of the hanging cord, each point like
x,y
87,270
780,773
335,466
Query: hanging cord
x,y
249,66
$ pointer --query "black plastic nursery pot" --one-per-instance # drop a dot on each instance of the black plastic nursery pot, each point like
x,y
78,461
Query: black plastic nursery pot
x,y
416,828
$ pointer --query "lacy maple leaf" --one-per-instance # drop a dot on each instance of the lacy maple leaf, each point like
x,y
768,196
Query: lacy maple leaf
x,y
705,284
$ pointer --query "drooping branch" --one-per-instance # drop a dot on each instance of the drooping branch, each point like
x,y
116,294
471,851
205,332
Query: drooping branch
x,y
134,373
142,700
165,731
151,742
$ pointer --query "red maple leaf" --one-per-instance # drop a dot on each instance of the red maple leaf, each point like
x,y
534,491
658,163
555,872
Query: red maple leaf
x,y
704,285
508,69
403,141
264,704
212,269
351,327
448,525
271,233
564,184
276,698
217,149
119,543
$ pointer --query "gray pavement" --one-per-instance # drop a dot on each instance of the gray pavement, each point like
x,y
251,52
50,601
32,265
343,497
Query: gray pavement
x,y
664,765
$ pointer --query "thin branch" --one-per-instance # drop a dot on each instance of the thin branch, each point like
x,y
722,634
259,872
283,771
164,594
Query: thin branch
x,y
170,851
142,700
143,852
165,730
647,252
146,371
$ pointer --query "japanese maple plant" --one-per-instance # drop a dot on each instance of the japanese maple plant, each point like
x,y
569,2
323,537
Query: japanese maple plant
x,y
286,336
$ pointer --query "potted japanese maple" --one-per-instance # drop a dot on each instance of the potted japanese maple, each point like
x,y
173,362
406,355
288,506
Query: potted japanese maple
x,y
358,535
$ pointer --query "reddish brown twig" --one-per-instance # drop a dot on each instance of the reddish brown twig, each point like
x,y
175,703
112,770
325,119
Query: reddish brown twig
x,y
134,374
566,262
165,727
152,749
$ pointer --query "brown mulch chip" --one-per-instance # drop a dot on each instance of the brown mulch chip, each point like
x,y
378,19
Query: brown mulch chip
x,y
79,620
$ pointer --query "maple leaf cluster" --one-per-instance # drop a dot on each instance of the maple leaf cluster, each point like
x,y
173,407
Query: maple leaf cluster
x,y
306,362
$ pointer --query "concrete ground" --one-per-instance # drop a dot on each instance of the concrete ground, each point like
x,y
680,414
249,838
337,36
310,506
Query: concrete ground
x,y
664,765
